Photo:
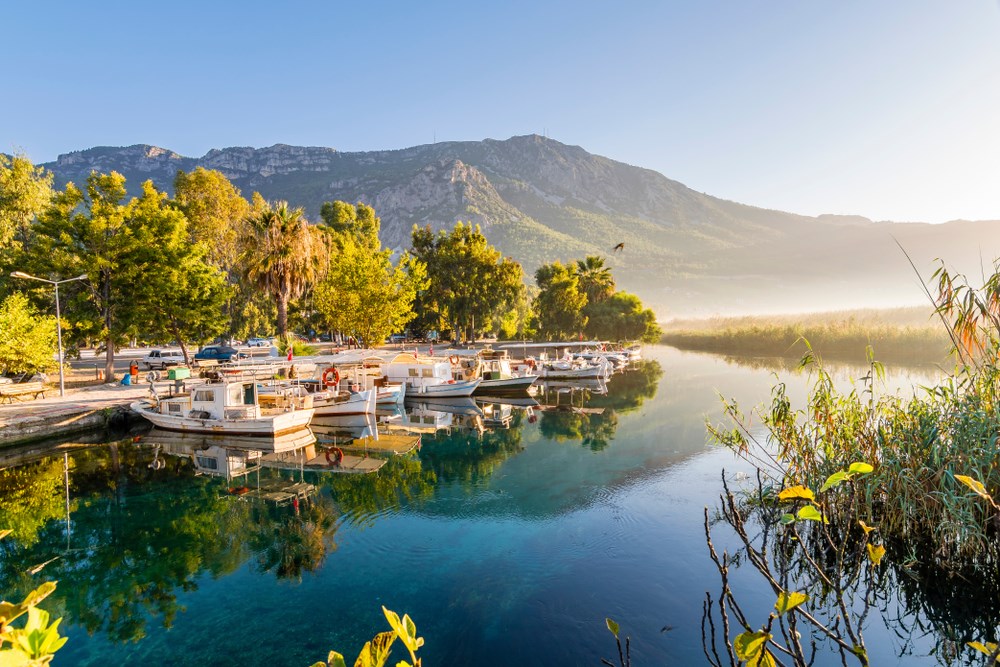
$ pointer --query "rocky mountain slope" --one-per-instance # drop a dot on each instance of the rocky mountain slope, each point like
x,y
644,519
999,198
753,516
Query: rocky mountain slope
x,y
540,200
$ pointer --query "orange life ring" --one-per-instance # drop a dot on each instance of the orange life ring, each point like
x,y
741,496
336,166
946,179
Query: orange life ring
x,y
453,359
338,456
327,374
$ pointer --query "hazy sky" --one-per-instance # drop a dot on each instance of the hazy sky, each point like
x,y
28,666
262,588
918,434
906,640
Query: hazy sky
x,y
889,109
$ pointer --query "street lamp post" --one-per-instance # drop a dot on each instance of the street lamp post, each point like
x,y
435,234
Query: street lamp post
x,y
56,284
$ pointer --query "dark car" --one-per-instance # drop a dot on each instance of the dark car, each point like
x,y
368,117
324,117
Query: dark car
x,y
219,353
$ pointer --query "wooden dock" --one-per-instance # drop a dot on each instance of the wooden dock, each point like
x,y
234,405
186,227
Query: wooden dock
x,y
350,464
280,495
385,443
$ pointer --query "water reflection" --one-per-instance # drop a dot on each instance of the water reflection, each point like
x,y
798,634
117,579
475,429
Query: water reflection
x,y
483,534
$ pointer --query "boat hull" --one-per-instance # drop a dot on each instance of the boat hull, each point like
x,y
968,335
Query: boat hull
x,y
512,385
361,403
267,426
462,389
588,373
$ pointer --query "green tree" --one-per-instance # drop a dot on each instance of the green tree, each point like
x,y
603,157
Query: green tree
x,y
560,303
281,253
216,213
355,221
622,317
595,279
25,191
91,232
181,296
365,296
27,339
471,283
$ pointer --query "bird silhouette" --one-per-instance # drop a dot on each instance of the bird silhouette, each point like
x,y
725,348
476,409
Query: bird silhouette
x,y
620,246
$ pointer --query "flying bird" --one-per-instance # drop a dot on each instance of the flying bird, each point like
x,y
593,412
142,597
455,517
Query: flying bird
x,y
620,246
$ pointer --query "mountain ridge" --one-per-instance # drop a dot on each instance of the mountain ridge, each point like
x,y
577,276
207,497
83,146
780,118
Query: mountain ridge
x,y
540,200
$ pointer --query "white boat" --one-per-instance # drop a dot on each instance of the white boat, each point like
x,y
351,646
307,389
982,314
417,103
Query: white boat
x,y
495,369
427,379
329,402
225,407
574,370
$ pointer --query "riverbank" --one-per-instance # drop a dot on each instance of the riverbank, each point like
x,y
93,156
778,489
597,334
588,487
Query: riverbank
x,y
81,409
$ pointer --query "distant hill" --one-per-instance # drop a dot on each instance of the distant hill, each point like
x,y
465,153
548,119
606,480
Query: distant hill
x,y
539,200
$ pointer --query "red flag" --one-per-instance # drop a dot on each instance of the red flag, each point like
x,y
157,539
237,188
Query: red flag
x,y
431,351
289,353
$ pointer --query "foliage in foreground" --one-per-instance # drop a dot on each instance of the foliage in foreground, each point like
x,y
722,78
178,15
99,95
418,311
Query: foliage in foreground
x,y
34,642
923,456
376,652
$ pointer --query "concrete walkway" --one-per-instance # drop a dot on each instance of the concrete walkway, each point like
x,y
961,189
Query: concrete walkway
x,y
79,409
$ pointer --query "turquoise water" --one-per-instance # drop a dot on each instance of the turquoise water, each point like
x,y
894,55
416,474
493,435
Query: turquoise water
x,y
506,548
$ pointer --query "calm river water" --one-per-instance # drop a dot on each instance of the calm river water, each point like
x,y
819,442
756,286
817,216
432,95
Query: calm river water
x,y
508,548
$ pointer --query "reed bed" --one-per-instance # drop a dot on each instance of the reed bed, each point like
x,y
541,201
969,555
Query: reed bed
x,y
844,340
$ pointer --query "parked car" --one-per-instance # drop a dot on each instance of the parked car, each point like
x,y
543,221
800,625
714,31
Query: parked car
x,y
259,342
219,353
162,359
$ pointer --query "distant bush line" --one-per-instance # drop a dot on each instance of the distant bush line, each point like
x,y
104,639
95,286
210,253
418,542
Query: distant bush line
x,y
844,340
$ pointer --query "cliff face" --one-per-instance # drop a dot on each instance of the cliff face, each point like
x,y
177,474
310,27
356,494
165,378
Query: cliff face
x,y
540,200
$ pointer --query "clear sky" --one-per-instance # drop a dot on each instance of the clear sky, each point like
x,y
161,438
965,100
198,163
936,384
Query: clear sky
x,y
886,108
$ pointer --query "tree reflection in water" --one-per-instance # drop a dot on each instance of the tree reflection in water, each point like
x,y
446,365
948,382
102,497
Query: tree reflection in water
x,y
467,456
361,498
626,392
140,537
292,540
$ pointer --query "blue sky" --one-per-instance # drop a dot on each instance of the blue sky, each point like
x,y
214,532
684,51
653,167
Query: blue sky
x,y
888,109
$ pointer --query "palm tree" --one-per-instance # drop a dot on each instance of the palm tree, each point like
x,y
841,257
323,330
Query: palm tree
x,y
282,253
595,279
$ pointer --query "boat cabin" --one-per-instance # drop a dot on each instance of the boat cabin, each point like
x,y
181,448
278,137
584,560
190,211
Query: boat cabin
x,y
416,373
214,400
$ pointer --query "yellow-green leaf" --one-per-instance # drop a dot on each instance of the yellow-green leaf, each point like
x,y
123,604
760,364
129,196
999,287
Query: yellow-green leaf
x,y
796,493
376,652
988,648
833,480
5,532
335,660
865,527
39,594
749,645
975,485
612,626
860,468
14,658
810,513
875,553
788,601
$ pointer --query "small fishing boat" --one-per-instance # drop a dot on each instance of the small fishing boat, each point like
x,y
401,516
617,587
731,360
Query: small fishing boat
x,y
574,369
427,379
226,407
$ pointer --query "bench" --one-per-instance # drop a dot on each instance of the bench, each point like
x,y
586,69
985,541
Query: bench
x,y
8,392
